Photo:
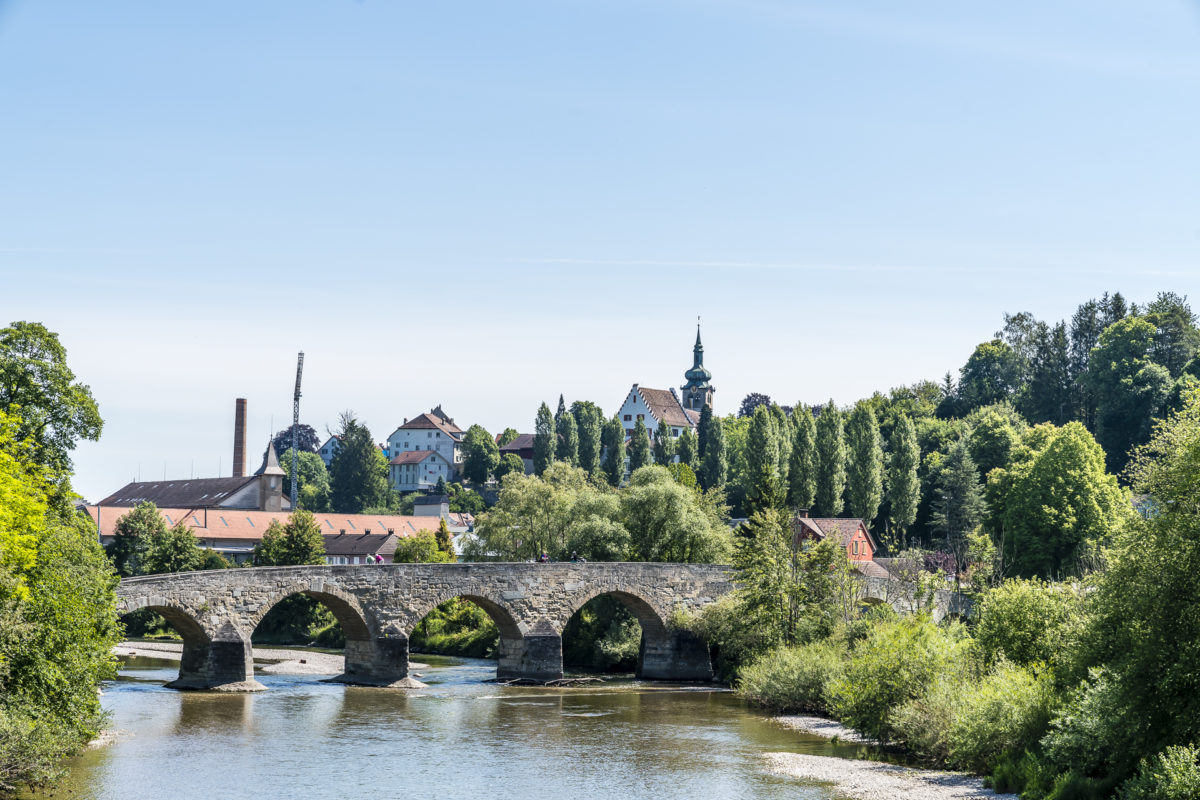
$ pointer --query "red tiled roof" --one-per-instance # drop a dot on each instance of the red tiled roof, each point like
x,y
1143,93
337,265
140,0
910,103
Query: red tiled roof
x,y
665,407
842,527
431,422
415,456
223,523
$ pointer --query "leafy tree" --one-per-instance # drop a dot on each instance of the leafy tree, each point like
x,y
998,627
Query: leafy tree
x,y
445,542
1128,386
639,447
510,464
544,440
705,425
462,500
420,549
173,549
613,439
668,521
991,375
358,471
568,439
782,426
903,484
1062,507
831,461
51,410
307,440
507,436
991,441
481,455
958,508
864,467
751,402
313,492
664,445
764,487
132,536
1176,339
686,447
296,542
588,421
802,471
714,466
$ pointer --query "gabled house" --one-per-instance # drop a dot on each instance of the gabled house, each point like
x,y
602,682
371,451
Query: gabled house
x,y
522,447
434,431
852,532
653,406
330,447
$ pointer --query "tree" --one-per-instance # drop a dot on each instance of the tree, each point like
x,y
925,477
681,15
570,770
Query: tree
x,y
991,375
783,442
831,461
131,538
294,543
39,391
1176,339
307,440
703,428
562,409
358,471
958,505
440,487
991,441
903,485
588,421
313,491
802,471
445,540
714,466
751,402
639,447
613,439
481,455
1062,507
1129,388
1048,397
173,549
765,488
420,549
668,521
510,464
507,436
544,440
686,447
568,439
664,445
864,468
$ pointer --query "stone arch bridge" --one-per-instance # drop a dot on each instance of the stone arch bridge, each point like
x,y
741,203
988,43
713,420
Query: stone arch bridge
x,y
378,607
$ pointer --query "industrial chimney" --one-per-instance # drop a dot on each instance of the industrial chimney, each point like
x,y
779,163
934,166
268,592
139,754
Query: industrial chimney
x,y
239,439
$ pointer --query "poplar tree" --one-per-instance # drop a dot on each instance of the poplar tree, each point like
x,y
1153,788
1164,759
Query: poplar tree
x,y
613,438
706,418
783,441
664,446
639,447
686,448
864,470
831,461
903,485
764,487
587,419
714,466
562,408
543,440
567,449
802,468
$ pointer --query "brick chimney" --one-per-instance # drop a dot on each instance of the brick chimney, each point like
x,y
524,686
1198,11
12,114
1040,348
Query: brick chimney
x,y
239,439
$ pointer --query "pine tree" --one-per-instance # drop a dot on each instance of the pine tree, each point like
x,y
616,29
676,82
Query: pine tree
x,y
764,488
562,409
703,429
903,485
587,419
639,447
664,446
864,468
958,504
568,439
543,440
714,467
685,447
831,461
444,540
613,438
802,469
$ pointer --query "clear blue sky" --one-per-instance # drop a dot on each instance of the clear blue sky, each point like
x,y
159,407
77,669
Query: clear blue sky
x,y
486,204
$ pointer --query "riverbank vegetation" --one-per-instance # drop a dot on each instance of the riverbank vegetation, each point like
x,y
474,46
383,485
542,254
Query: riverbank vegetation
x,y
1081,688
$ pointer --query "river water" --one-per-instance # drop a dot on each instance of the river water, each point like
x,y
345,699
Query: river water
x,y
461,738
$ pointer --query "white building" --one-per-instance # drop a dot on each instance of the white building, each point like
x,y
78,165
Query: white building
x,y
653,406
433,431
418,470
328,449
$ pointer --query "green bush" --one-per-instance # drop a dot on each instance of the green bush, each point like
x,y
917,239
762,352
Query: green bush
x,y
733,642
793,678
331,636
896,663
1091,728
1173,774
1007,711
456,628
1027,621
924,723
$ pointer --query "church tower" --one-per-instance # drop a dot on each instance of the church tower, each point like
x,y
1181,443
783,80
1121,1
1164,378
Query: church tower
x,y
698,391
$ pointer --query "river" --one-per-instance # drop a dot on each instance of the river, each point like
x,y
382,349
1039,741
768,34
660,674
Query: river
x,y
461,738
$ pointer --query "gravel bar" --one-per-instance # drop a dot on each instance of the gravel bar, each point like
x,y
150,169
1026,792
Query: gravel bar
x,y
820,726
285,662
871,780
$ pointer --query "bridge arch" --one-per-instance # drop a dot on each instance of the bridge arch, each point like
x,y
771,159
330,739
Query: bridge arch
x,y
344,606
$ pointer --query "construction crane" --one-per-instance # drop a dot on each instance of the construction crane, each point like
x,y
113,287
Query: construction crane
x,y
296,429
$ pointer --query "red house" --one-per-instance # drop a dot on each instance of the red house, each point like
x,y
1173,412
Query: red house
x,y
851,531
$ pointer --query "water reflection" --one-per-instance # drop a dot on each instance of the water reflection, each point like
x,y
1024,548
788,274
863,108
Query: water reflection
x,y
461,737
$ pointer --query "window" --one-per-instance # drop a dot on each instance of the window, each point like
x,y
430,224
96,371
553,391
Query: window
x,y
674,431
628,417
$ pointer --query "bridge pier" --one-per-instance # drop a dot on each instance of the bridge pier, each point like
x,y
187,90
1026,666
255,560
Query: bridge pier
x,y
222,663
536,656
379,661
675,656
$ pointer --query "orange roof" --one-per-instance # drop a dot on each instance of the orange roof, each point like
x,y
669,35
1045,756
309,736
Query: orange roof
x,y
665,407
415,456
429,421
223,523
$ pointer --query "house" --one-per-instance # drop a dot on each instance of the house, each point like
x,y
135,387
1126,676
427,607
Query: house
x,y
653,406
329,448
852,532
359,548
434,431
418,470
522,446
234,532
262,491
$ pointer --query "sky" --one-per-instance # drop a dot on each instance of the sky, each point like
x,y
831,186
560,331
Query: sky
x,y
485,205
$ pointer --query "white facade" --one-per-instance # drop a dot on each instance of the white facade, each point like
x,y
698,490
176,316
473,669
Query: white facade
x,y
416,471
408,439
327,450
634,407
